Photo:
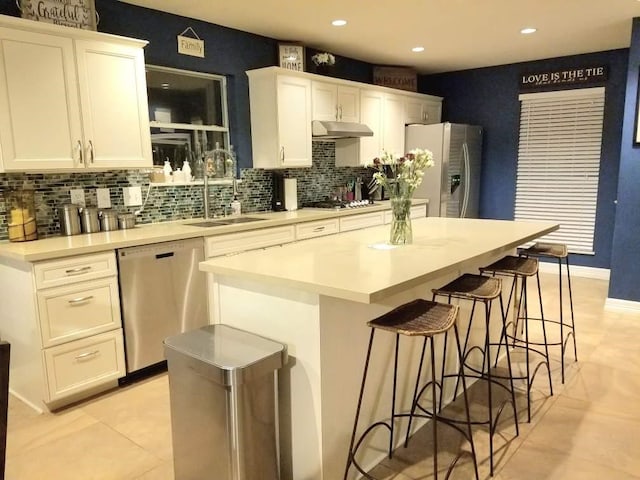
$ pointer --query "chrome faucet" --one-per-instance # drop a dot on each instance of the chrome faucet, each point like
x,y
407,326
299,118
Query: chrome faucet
x,y
227,154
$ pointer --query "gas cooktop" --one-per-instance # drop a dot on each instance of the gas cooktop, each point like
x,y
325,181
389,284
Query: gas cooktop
x,y
338,204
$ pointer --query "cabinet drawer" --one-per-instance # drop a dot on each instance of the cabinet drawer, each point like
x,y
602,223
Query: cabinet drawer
x,y
77,366
361,221
76,311
251,240
75,269
416,211
316,229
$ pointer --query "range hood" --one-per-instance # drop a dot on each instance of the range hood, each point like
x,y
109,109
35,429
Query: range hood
x,y
324,129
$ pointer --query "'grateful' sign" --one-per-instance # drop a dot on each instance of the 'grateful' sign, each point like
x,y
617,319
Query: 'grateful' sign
x,y
571,76
70,13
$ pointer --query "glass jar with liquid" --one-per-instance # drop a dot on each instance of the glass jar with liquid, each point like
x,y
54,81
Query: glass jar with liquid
x,y
21,215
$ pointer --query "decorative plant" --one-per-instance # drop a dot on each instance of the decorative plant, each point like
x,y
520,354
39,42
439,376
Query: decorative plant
x,y
323,59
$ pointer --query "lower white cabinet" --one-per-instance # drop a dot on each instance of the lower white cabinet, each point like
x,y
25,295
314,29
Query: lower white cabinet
x,y
62,318
249,240
364,220
416,211
74,367
317,228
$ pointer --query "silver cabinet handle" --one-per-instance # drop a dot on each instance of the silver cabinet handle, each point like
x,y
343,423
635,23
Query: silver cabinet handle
x,y
79,147
337,112
91,152
282,154
78,271
340,108
76,301
318,229
84,356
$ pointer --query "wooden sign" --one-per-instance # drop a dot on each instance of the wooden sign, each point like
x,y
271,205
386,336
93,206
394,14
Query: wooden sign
x,y
567,77
70,13
396,77
191,46
291,56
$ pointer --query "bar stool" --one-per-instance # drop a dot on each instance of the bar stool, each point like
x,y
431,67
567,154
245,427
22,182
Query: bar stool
x,y
480,288
558,251
521,268
417,318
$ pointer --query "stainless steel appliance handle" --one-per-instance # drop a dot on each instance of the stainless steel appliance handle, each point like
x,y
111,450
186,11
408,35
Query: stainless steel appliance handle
x,y
84,356
467,178
76,301
78,271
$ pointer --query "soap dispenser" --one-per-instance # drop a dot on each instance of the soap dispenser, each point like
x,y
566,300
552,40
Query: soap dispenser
x,y
236,206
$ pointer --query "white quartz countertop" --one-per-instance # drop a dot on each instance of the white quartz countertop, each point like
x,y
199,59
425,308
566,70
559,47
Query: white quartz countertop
x,y
359,265
63,246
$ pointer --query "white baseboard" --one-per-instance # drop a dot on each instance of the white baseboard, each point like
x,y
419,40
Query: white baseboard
x,y
576,270
622,305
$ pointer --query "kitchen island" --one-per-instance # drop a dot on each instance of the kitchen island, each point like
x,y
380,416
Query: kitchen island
x,y
316,297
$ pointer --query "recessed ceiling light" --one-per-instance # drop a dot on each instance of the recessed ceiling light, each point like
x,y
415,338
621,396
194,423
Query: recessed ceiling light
x,y
528,30
417,49
339,23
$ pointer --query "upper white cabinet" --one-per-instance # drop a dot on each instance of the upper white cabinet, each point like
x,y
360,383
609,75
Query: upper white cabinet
x,y
280,118
333,102
420,110
71,99
372,115
393,124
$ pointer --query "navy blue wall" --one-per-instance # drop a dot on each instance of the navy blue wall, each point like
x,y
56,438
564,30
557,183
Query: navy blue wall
x,y
489,97
228,52
625,259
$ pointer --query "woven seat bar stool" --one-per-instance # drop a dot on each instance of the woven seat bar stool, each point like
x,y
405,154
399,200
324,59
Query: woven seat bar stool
x,y
419,318
520,269
483,289
558,251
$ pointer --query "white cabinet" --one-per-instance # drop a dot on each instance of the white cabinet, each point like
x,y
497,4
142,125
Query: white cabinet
x,y
415,212
420,110
249,240
384,114
334,102
356,222
318,228
62,318
71,99
280,118
393,124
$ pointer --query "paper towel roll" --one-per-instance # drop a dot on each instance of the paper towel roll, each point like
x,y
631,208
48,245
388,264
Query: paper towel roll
x,y
290,194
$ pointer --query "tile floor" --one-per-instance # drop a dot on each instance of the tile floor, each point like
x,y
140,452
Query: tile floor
x,y
589,429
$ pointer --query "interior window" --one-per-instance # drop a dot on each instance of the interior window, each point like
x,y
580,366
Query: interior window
x,y
188,115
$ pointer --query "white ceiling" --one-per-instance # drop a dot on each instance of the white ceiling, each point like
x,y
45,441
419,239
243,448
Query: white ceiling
x,y
456,34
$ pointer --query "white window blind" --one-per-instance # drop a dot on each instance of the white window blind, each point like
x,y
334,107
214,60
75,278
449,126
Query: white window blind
x,y
559,162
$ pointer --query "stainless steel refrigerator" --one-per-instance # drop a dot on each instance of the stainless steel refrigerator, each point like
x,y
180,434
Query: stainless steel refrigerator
x,y
452,185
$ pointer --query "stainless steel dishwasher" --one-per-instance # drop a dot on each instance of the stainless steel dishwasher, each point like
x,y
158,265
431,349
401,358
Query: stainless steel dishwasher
x,y
162,293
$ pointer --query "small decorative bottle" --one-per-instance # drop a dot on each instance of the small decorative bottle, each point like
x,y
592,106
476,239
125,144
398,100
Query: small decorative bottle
x,y
186,171
167,171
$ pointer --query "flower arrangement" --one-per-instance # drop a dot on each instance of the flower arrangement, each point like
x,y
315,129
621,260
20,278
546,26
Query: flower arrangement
x,y
404,173
323,59
401,176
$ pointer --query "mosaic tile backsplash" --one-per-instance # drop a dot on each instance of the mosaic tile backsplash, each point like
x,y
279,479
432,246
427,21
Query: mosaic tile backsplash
x,y
165,203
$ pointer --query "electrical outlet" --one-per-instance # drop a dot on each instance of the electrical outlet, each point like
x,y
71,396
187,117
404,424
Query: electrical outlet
x,y
77,196
132,196
104,197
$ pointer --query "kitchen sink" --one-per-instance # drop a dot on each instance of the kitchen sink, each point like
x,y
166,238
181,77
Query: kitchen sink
x,y
224,221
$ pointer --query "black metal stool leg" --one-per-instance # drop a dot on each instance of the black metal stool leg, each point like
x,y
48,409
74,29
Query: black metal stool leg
x,y
573,325
435,412
544,335
562,344
393,395
355,423
415,393
526,330
513,391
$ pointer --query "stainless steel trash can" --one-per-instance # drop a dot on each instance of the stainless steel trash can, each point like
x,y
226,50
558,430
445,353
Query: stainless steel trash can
x,y
223,403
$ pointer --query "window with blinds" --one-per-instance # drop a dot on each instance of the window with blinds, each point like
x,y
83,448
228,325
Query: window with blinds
x,y
559,162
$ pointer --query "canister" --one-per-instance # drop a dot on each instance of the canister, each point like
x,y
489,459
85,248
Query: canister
x,y
108,220
21,215
89,219
69,216
126,220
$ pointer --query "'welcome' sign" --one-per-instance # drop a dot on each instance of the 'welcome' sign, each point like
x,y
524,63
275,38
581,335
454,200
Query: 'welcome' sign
x,y
567,77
